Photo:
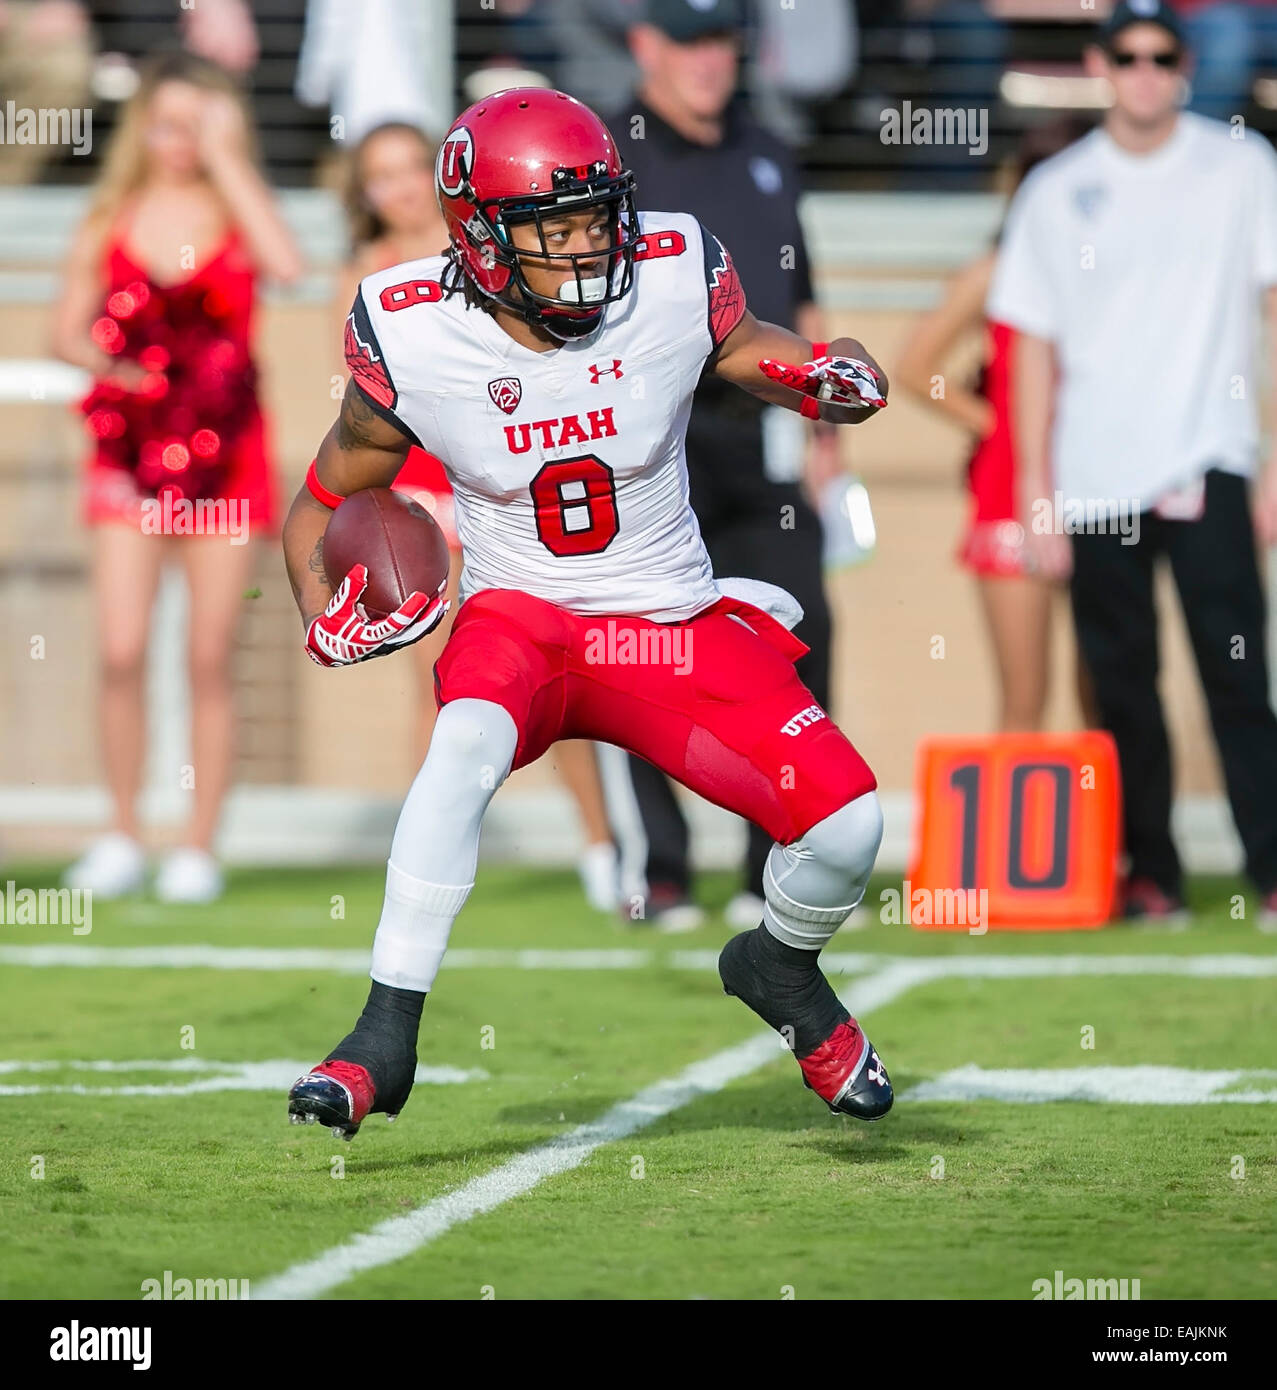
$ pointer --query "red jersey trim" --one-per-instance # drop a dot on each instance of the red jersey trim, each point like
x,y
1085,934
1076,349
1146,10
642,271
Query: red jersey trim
x,y
725,292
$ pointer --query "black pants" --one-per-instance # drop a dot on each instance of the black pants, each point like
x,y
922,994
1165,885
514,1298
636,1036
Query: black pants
x,y
745,521
1214,565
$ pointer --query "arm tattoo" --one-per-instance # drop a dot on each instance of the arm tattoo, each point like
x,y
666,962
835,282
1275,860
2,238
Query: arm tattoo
x,y
315,564
354,421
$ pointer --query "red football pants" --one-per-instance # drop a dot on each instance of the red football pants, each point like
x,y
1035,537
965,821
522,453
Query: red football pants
x,y
714,701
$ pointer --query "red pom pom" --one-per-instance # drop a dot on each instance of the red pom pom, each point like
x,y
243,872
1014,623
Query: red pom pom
x,y
176,457
108,335
205,443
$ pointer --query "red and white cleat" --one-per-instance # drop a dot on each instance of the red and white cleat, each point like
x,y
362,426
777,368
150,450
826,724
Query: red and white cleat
x,y
337,1094
848,1075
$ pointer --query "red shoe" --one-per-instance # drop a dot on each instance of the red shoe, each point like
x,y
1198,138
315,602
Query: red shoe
x,y
1145,901
338,1094
846,1073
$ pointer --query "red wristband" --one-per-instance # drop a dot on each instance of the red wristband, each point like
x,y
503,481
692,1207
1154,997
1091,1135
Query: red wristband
x,y
819,350
319,492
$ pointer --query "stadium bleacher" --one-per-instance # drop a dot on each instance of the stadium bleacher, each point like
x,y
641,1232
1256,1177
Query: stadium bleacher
x,y
899,61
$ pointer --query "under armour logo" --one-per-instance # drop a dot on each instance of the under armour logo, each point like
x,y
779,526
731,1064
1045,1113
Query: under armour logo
x,y
879,1076
597,373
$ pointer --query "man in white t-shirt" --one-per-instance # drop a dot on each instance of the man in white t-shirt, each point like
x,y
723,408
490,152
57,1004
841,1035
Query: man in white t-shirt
x,y
1134,266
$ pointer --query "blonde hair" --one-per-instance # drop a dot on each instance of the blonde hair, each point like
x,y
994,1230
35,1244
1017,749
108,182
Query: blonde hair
x,y
365,222
124,167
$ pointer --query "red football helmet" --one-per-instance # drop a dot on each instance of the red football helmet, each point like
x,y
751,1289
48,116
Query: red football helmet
x,y
520,156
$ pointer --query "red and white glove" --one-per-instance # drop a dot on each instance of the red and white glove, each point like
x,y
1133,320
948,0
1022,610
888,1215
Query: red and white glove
x,y
343,633
836,380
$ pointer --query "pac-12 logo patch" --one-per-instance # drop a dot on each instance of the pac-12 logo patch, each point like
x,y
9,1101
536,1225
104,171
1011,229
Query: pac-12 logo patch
x,y
455,161
506,393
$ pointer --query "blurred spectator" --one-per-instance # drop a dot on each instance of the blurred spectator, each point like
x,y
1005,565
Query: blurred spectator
x,y
45,60
802,54
795,54
1017,604
513,47
378,61
1132,268
223,31
394,216
1230,40
694,150
966,44
157,304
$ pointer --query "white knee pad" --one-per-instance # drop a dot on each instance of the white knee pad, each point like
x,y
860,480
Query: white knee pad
x,y
813,885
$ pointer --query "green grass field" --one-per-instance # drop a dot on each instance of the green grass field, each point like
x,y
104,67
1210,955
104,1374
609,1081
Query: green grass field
x,y
749,1189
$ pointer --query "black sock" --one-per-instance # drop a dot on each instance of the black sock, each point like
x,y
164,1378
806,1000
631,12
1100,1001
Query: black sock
x,y
784,986
385,1042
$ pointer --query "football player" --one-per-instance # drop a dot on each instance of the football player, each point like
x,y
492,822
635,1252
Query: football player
x,y
549,360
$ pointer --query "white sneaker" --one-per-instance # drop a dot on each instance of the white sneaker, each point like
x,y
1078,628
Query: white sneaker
x,y
111,867
744,912
599,870
682,917
188,876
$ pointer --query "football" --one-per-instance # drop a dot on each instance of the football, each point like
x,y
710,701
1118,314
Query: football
x,y
396,539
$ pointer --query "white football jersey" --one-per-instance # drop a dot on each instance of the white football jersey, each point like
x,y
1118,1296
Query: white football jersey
x,y
568,467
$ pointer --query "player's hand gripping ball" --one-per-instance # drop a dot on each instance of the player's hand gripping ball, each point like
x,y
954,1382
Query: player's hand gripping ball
x,y
387,561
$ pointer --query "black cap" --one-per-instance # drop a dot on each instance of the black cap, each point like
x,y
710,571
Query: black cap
x,y
1128,12
686,20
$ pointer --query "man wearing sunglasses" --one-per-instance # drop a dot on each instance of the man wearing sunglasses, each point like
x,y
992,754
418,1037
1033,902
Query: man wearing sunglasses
x,y
1135,266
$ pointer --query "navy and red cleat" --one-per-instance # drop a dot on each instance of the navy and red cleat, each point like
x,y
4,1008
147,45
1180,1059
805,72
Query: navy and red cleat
x,y
847,1074
337,1094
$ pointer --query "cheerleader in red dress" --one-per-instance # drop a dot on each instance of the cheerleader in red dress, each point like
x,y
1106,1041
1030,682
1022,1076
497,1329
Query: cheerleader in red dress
x,y
1017,604
394,217
157,304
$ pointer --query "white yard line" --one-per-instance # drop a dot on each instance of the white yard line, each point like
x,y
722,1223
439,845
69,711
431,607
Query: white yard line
x,y
275,1074
355,962
333,960
1121,1085
402,1235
